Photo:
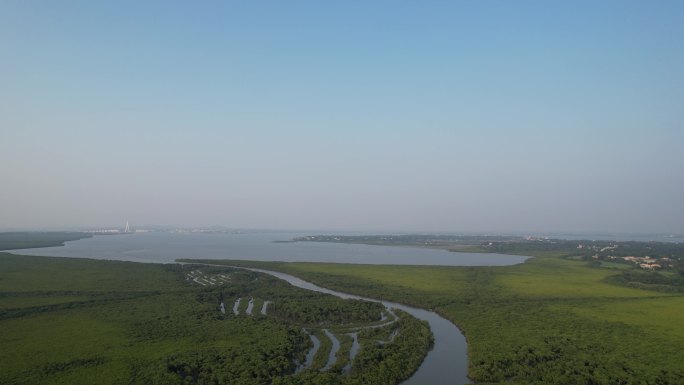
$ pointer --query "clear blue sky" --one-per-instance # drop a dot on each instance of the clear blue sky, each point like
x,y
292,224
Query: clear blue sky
x,y
349,115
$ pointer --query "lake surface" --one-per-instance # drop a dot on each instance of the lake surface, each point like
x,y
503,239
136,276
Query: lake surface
x,y
167,247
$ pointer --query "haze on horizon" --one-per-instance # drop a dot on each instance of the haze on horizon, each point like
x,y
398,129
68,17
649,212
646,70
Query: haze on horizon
x,y
379,116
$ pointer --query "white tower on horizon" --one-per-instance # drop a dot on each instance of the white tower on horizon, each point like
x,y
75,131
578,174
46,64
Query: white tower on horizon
x,y
127,229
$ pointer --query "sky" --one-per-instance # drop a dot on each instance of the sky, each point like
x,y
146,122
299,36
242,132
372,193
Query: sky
x,y
449,116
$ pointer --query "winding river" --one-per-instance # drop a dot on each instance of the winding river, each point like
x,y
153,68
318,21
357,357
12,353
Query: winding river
x,y
445,364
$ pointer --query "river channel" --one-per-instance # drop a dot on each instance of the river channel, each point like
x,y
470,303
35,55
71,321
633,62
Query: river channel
x,y
445,364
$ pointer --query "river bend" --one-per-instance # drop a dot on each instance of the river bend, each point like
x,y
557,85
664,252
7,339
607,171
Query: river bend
x,y
445,364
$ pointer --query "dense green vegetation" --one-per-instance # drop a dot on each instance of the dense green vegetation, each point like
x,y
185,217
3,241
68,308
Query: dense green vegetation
x,y
80,321
30,239
649,280
120,322
393,357
376,363
550,320
563,318
587,248
329,310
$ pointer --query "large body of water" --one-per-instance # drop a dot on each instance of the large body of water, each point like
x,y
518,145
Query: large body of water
x,y
167,247
445,364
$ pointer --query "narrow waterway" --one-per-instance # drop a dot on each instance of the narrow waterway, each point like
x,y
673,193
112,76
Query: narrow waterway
x,y
311,353
250,306
445,364
332,355
353,351
264,307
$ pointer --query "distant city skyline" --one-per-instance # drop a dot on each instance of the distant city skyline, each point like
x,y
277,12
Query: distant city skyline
x,y
460,116
147,228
